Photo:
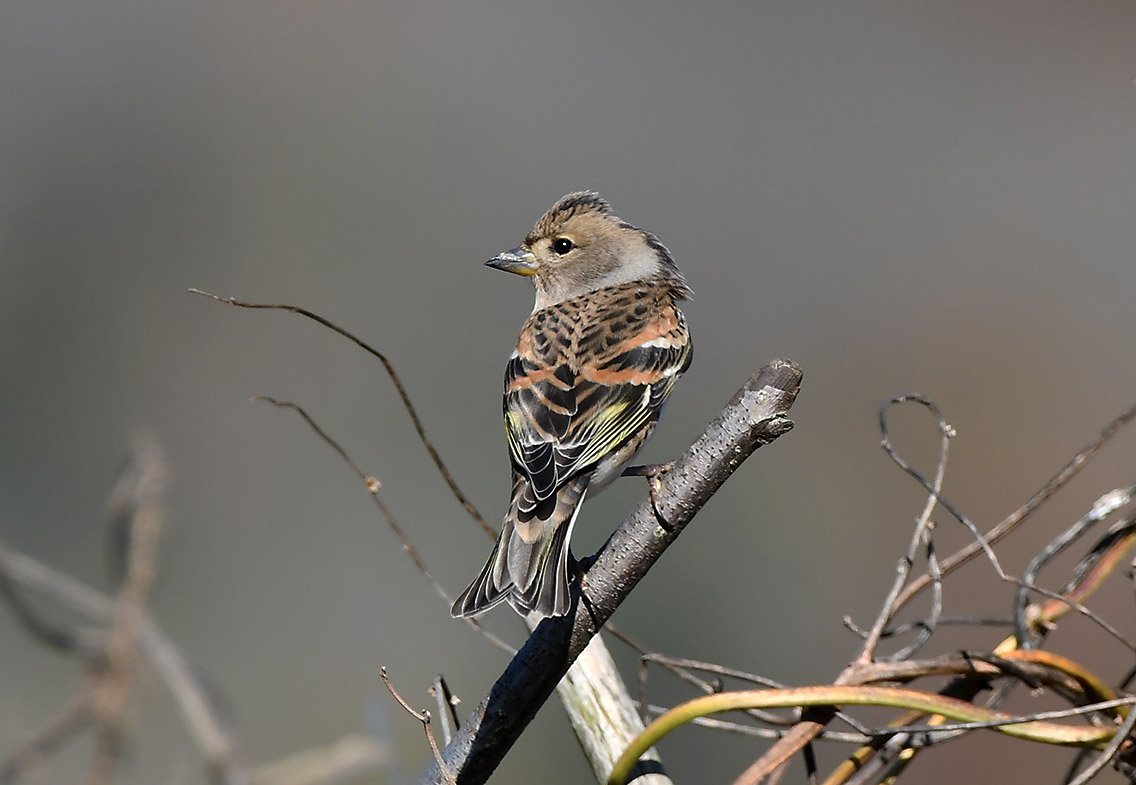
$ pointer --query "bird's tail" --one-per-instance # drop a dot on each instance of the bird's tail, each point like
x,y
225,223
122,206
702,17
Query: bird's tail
x,y
529,564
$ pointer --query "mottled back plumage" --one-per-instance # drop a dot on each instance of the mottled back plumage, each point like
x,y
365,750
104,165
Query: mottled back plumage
x,y
583,390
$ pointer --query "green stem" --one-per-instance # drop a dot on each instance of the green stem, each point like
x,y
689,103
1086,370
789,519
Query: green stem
x,y
953,708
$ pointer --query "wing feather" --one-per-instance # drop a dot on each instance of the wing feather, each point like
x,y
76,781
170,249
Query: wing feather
x,y
588,375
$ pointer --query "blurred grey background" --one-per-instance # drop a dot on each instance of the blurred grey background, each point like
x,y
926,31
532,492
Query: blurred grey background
x,y
936,197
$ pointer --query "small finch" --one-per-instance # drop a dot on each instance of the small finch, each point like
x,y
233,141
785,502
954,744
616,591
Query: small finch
x,y
583,389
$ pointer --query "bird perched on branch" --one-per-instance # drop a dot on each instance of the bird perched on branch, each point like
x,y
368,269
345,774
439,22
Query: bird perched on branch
x,y
583,389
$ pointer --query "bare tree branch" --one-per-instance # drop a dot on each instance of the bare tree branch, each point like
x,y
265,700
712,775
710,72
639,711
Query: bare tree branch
x,y
597,693
883,759
373,487
616,704
756,416
200,716
349,760
422,716
138,496
315,317
74,717
603,715
1018,516
921,534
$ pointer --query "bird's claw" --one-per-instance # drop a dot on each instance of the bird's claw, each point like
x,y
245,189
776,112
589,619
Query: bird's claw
x,y
653,472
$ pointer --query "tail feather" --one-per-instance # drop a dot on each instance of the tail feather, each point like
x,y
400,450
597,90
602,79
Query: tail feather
x,y
546,591
529,564
482,594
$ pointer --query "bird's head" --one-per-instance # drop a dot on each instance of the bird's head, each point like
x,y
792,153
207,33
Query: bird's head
x,y
579,246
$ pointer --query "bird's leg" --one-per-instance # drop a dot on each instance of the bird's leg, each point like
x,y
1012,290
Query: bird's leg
x,y
652,471
577,567
578,570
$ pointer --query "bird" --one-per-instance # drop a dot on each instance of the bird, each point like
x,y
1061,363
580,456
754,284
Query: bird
x,y
584,388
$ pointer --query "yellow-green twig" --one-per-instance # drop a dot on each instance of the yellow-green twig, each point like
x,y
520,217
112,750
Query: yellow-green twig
x,y
953,708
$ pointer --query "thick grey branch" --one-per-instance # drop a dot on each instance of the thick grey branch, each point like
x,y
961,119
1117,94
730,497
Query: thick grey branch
x,y
603,715
755,416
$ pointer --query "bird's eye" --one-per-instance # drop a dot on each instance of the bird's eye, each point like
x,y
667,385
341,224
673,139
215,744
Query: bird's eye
x,y
562,245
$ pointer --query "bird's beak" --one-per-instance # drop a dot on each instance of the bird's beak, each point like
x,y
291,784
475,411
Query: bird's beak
x,y
516,260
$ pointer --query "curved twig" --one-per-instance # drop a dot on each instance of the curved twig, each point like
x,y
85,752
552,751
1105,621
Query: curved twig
x,y
1104,507
920,535
964,711
373,486
1015,519
434,456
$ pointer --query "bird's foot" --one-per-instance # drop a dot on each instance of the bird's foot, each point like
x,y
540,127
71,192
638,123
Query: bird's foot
x,y
652,471
577,567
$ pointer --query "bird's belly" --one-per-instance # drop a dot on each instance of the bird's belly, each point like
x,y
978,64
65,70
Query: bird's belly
x,y
612,465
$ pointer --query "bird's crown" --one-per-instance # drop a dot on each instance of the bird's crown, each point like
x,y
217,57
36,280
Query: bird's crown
x,y
566,208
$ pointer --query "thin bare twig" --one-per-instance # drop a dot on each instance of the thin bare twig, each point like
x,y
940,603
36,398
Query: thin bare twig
x,y
815,719
382,358
344,762
1033,667
708,667
49,633
201,717
920,535
760,733
678,667
1104,507
611,686
423,717
447,707
980,540
937,571
688,665
928,624
944,621
678,671
1012,521
1123,734
603,714
1084,610
114,680
1038,716
74,717
373,487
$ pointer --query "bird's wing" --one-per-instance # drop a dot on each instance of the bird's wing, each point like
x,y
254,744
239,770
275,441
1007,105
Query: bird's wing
x,y
587,376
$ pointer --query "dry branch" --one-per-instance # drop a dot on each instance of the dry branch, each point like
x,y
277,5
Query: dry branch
x,y
934,717
596,691
603,715
755,416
